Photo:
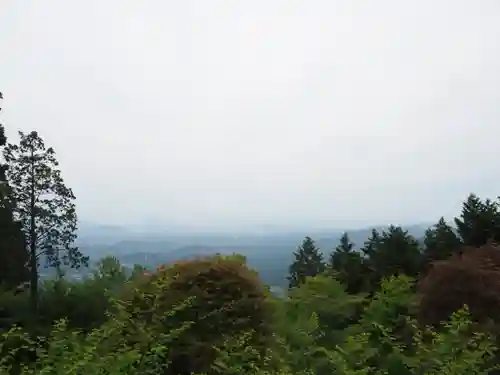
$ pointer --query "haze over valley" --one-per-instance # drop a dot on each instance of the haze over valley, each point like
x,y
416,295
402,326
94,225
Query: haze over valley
x,y
269,251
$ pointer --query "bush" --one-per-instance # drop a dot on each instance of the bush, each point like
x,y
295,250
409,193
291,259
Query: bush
x,y
376,346
471,278
220,297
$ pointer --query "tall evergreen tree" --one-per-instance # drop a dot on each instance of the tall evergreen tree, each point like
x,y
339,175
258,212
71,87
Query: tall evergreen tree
x,y
393,252
308,262
349,266
479,221
372,243
13,254
340,255
440,242
44,206
3,167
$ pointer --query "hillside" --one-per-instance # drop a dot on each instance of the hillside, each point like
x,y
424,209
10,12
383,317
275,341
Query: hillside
x,y
269,253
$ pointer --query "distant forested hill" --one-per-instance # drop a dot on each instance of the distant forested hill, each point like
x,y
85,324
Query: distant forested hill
x,y
270,254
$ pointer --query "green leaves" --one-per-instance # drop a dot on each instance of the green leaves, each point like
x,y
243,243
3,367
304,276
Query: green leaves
x,y
43,204
479,221
308,262
440,242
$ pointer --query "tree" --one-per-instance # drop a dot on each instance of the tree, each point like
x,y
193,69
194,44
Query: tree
x,y
138,270
349,266
13,255
44,206
315,315
340,255
470,278
308,262
393,252
479,221
213,297
110,268
372,243
440,242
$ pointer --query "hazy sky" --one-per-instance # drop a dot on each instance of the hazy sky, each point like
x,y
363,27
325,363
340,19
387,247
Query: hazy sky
x,y
235,113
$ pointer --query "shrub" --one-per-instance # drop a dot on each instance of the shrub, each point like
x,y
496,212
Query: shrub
x,y
376,347
471,278
224,298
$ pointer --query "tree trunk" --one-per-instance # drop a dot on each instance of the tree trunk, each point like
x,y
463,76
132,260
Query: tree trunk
x,y
33,278
33,258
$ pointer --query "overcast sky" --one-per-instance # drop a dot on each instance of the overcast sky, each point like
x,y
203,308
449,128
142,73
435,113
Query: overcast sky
x,y
239,113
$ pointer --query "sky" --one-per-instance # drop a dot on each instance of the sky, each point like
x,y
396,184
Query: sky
x,y
236,114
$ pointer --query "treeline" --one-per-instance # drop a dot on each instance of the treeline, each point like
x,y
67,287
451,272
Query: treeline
x,y
394,251
395,307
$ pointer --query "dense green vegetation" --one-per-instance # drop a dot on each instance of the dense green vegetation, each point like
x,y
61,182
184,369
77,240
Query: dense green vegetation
x,y
394,304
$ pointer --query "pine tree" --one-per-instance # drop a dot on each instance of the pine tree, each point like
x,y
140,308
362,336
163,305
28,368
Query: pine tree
x,y
44,206
13,254
393,252
479,221
349,266
340,255
371,244
440,242
308,262
3,167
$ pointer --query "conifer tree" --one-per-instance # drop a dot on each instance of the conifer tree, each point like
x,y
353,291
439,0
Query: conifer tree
x,y
3,167
349,266
393,252
44,206
440,242
13,254
479,221
371,244
340,255
308,262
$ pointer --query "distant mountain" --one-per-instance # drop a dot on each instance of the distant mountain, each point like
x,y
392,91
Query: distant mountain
x,y
89,233
269,253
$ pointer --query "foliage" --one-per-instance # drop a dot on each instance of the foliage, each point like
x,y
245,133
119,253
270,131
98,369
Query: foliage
x,y
440,242
308,262
13,254
471,278
479,221
392,252
43,204
225,298
386,341
349,266
102,351
314,333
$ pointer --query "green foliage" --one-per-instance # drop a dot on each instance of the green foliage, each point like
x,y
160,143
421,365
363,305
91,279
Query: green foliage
x,y
43,204
479,221
83,304
225,298
440,242
102,351
13,254
380,345
308,262
306,338
328,300
393,252
349,266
